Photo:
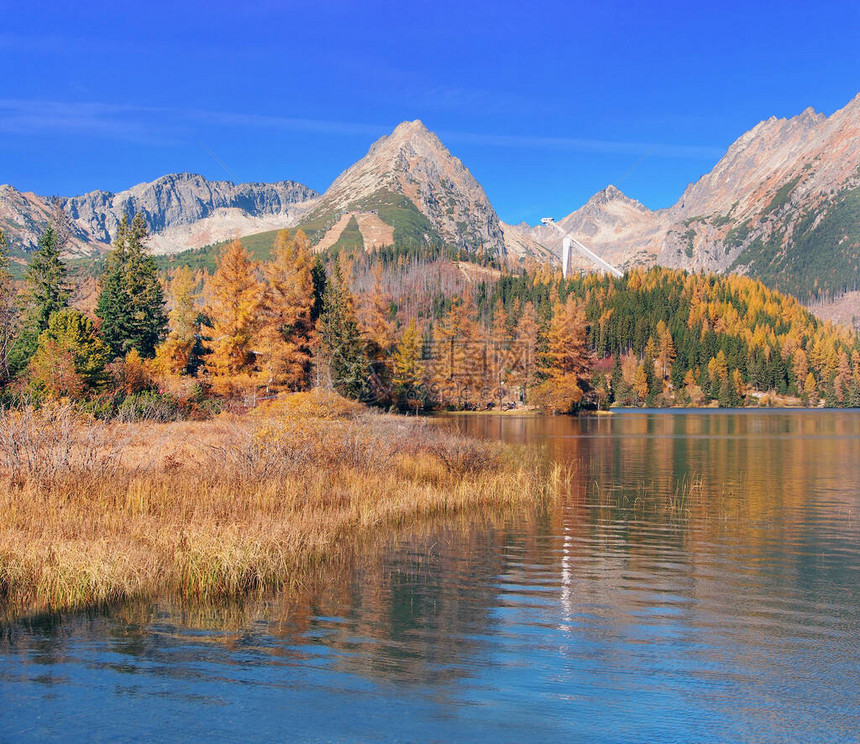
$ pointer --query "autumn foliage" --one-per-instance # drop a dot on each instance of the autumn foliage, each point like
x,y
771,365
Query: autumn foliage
x,y
234,296
418,330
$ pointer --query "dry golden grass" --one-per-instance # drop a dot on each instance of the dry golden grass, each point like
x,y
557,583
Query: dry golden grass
x,y
94,513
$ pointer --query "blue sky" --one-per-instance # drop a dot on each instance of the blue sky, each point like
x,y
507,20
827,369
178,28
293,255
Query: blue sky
x,y
546,103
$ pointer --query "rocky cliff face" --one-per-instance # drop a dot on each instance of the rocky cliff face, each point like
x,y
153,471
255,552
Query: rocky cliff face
x,y
23,217
781,205
520,243
412,182
182,199
182,210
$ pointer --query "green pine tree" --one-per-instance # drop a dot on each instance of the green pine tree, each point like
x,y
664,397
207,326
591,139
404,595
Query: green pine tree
x,y
46,292
319,279
341,347
47,287
131,301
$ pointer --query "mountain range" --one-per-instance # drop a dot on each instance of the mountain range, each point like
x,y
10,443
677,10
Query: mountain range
x,y
783,204
183,211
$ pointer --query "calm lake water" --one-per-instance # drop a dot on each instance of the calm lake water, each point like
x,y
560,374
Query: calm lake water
x,y
700,582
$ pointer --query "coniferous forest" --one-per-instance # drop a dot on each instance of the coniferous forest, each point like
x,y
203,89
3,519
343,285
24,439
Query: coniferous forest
x,y
403,330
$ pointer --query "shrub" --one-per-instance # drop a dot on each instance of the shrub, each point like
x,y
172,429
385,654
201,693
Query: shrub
x,y
54,444
149,406
316,403
462,456
130,375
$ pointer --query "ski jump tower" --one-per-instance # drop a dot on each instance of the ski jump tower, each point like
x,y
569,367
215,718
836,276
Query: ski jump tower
x,y
589,254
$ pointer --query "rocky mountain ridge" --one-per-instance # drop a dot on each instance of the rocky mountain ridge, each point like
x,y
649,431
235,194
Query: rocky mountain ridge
x,y
616,227
183,210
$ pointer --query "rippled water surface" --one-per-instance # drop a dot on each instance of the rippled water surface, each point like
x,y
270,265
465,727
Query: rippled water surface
x,y
700,582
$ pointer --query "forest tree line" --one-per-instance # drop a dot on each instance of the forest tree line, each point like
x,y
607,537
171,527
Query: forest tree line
x,y
400,330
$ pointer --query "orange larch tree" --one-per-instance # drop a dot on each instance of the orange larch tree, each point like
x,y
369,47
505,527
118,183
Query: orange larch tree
x,y
285,324
566,363
234,294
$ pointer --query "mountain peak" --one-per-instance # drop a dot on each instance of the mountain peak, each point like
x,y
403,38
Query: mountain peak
x,y
410,127
612,194
850,110
414,164
408,135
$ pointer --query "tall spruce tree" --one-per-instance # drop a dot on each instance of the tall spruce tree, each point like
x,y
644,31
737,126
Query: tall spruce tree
x,y
46,292
342,350
320,280
47,287
131,301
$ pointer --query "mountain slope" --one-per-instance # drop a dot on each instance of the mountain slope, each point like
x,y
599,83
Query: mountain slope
x,y
781,205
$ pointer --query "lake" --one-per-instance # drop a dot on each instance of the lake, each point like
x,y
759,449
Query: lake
x,y
699,582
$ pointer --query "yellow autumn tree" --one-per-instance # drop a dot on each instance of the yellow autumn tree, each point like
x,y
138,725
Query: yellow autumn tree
x,y
234,294
459,370
501,365
799,368
174,355
285,325
810,389
525,349
665,350
718,370
566,364
406,368
374,319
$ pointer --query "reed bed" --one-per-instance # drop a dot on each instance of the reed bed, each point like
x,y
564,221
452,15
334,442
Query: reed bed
x,y
94,513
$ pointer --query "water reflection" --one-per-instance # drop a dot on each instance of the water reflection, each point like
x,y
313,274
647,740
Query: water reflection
x,y
727,545
701,581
